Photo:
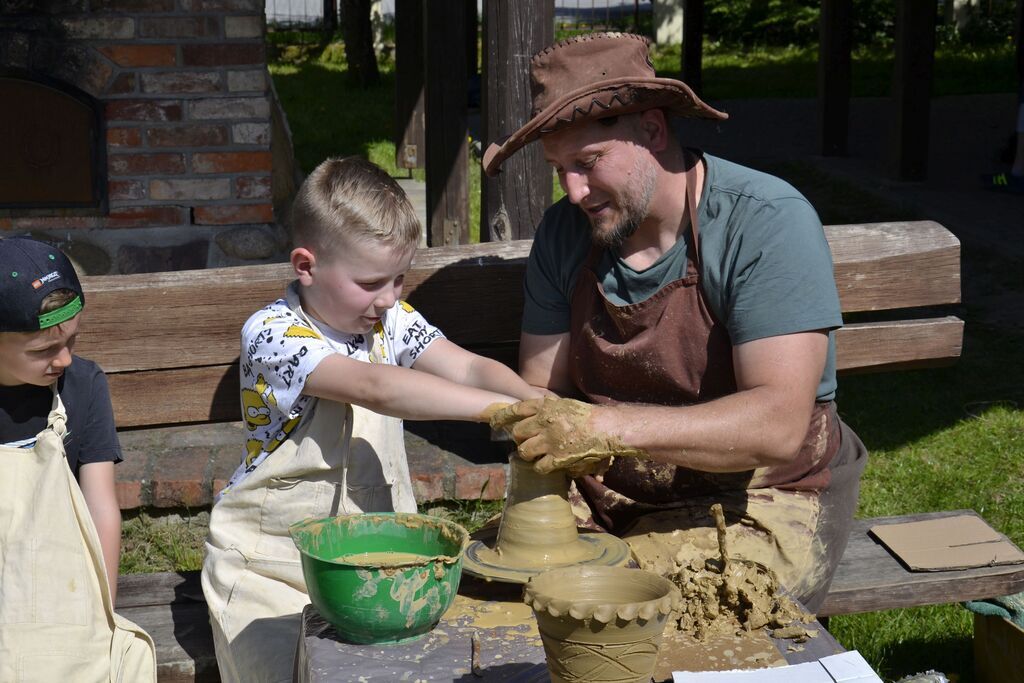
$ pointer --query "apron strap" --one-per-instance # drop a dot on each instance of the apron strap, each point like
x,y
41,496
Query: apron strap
x,y
691,206
57,420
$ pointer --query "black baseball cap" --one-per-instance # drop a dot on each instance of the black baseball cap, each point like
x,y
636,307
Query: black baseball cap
x,y
29,270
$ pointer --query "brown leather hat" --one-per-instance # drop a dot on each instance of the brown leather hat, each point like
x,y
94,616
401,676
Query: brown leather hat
x,y
593,76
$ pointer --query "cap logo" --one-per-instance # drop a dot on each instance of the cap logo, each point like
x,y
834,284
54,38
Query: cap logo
x,y
49,277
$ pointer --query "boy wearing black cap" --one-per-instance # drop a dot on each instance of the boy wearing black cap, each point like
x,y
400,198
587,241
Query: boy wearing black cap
x,y
41,301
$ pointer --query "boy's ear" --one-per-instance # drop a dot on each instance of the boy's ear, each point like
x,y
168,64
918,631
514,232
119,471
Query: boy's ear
x,y
303,262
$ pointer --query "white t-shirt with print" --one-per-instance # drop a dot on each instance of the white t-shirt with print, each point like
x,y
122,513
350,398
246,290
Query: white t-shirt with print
x,y
280,350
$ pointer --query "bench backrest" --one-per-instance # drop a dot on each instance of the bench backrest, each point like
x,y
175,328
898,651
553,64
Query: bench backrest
x,y
169,342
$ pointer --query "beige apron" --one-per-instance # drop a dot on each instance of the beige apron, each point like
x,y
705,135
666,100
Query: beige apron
x,y
57,621
340,459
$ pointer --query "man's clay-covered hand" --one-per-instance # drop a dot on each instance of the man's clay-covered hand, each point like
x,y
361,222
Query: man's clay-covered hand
x,y
557,434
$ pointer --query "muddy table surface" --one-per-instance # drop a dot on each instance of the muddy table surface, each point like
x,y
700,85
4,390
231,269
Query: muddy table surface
x,y
491,619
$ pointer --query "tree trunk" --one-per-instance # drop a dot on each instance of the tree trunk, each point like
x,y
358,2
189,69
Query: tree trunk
x,y
358,35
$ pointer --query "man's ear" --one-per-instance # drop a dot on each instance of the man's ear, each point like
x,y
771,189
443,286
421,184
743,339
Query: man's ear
x,y
303,262
654,127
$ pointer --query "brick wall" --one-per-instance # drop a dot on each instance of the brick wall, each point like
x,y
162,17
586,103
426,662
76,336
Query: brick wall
x,y
185,94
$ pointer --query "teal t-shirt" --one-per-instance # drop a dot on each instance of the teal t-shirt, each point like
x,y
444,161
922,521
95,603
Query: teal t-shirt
x,y
766,268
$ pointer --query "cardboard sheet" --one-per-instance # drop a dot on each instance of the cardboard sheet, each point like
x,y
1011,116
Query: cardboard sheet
x,y
960,542
848,667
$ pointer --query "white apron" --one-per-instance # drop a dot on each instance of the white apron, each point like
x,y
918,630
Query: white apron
x,y
57,621
341,459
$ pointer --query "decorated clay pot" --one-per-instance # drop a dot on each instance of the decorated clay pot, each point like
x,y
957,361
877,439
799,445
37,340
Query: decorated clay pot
x,y
601,624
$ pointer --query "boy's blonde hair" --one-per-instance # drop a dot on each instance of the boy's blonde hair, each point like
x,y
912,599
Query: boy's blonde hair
x,y
350,198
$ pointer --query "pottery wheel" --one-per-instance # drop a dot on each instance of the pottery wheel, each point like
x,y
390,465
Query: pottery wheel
x,y
481,560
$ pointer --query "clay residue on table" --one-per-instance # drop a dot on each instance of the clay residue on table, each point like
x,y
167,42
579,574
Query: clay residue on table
x,y
681,652
727,606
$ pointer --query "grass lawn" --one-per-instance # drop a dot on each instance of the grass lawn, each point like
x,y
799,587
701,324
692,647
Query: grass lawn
x,y
939,439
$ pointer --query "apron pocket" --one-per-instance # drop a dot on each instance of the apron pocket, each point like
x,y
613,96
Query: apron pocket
x,y
289,500
45,582
369,499
368,480
63,666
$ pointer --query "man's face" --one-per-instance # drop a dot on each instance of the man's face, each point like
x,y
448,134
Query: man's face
x,y
608,173
351,292
37,358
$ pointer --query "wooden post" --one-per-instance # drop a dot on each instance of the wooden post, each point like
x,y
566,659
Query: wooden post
x,y
912,86
513,202
444,24
836,35
472,37
1018,36
693,43
330,16
409,105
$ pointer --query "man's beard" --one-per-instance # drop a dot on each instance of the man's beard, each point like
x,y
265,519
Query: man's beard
x,y
634,207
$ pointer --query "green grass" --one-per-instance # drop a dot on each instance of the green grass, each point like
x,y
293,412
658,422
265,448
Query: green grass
x,y
162,544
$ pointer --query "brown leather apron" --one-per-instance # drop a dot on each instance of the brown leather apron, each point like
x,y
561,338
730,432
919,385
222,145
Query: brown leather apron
x,y
670,349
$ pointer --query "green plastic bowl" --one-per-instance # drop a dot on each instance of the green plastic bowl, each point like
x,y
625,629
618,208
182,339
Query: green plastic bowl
x,y
382,577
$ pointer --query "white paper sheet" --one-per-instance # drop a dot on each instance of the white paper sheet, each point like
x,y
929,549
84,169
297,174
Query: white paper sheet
x,y
848,667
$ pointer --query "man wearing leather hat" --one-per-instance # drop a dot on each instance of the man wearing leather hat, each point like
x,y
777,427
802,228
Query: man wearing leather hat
x,y
683,306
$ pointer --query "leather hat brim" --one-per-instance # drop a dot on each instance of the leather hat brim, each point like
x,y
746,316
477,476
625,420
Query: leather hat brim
x,y
600,100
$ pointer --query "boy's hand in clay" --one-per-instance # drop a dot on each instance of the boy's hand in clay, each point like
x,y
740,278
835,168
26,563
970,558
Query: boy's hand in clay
x,y
505,415
558,434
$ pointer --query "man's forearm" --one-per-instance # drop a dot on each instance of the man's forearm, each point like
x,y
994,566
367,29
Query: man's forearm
x,y
746,430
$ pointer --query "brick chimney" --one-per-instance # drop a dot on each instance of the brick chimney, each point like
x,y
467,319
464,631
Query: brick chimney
x,y
185,107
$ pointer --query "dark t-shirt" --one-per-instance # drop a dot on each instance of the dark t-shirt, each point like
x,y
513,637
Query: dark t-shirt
x,y
83,388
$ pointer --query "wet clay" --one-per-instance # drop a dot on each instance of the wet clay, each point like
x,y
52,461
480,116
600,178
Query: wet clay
x,y
601,624
537,527
538,531
383,559
725,596
725,652
774,528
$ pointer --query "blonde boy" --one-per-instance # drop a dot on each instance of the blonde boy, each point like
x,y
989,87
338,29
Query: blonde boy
x,y
327,374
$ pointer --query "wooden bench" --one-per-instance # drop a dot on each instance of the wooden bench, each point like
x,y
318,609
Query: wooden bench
x,y
169,343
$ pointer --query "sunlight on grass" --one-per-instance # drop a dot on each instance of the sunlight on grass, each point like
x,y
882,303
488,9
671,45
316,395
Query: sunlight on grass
x,y
155,544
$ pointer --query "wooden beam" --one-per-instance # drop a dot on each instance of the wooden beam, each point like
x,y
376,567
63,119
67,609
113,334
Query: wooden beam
x,y
210,393
512,203
185,395
834,70
444,23
912,86
473,292
899,345
886,266
869,578
410,146
693,43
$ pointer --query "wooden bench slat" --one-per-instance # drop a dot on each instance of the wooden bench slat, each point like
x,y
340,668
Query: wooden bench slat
x,y
869,578
159,588
210,393
206,394
886,266
184,641
899,345
473,292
